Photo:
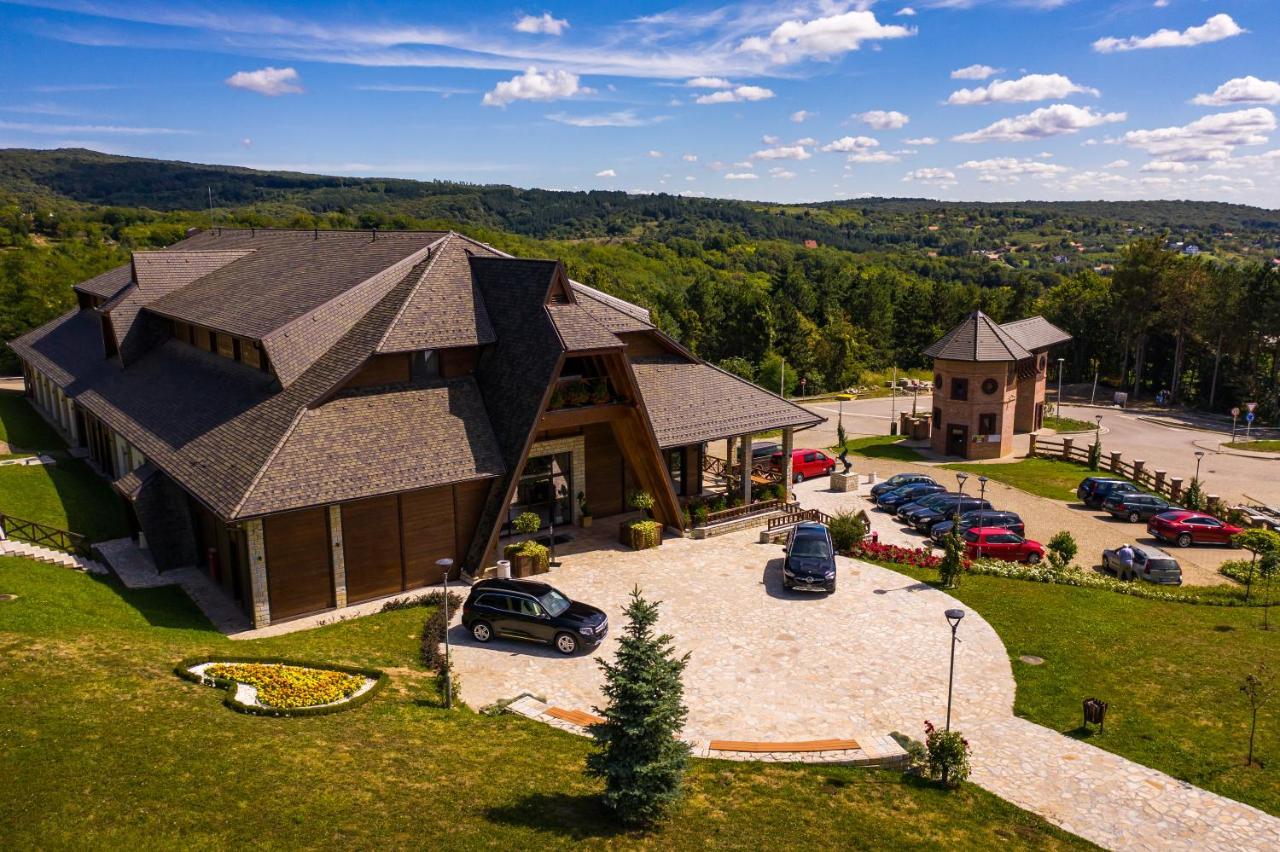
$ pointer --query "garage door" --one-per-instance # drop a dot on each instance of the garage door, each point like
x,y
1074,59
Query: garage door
x,y
299,580
371,548
428,534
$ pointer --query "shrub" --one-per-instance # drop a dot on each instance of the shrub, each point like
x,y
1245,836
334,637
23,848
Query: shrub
x,y
527,523
953,562
434,628
917,557
1095,455
948,755
1193,498
847,531
1240,570
1062,550
539,553
641,535
640,500
699,512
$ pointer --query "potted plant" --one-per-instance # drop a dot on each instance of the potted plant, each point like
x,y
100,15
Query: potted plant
x,y
584,511
641,501
527,557
599,390
640,535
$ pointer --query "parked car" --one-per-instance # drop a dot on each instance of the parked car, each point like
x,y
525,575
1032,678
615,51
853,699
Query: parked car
x,y
1134,506
1149,563
897,481
1185,528
761,451
998,543
1094,489
981,518
810,563
903,511
523,609
805,464
946,511
906,494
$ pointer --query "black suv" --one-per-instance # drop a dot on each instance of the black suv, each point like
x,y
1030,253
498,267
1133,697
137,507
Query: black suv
x,y
946,510
1134,506
811,560
1094,489
982,518
522,609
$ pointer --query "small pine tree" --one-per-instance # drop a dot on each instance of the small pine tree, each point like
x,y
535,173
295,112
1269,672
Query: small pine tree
x,y
952,564
637,751
1062,549
1257,691
842,437
1194,497
1095,455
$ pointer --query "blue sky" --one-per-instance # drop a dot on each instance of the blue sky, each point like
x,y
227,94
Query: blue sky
x,y
799,101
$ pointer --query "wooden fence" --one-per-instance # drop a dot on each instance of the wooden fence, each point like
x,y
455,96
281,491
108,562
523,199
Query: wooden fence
x,y
43,535
1136,471
742,511
799,516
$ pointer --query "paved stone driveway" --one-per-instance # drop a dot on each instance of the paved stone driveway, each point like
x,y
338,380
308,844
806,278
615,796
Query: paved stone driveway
x,y
872,658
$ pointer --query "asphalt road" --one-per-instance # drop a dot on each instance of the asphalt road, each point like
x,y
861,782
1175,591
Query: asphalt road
x,y
1160,439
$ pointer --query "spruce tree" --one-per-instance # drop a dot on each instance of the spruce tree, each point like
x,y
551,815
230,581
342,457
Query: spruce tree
x,y
637,751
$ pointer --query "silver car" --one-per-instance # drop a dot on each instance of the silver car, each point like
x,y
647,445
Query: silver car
x,y
1149,563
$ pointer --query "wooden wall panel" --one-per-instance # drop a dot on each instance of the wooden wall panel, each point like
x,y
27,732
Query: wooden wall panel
x,y
643,344
460,361
468,502
371,547
604,474
299,579
382,370
427,524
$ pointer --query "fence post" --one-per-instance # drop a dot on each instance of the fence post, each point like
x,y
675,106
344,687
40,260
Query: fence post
x,y
1175,487
1115,462
1066,449
1214,502
1138,466
1031,445
1159,482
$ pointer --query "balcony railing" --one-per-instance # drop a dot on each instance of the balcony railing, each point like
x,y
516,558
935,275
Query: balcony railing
x,y
580,392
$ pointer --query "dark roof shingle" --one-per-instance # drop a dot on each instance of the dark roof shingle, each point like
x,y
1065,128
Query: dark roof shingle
x,y
1035,333
977,338
579,331
444,309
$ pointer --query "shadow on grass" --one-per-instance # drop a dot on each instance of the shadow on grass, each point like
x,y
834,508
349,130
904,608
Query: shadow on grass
x,y
163,606
574,816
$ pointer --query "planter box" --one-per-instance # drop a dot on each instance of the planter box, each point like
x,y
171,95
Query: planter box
x,y
639,538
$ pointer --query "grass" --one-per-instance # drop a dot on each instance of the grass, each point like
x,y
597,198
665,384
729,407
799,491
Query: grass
x,y
1171,673
104,746
1256,446
881,447
1068,424
68,494
1050,478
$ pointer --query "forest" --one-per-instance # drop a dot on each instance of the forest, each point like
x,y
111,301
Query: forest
x,y
1177,296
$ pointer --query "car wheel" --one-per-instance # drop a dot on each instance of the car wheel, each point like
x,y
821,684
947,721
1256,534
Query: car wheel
x,y
1033,558
1133,517
1184,540
566,643
481,631
797,477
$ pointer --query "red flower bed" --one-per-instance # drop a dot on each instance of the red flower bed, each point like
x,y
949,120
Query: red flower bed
x,y
920,557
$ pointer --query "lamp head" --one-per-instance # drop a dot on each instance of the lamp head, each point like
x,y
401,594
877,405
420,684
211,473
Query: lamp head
x,y
961,477
1199,453
953,617
445,563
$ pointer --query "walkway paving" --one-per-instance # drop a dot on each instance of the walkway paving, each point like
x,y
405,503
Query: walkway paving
x,y
770,665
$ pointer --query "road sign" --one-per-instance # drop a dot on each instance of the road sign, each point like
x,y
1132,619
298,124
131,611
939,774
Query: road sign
x,y
1248,418
1235,412
1251,406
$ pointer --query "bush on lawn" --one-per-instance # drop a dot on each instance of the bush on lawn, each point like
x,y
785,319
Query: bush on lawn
x,y
953,562
434,629
1062,550
847,530
948,755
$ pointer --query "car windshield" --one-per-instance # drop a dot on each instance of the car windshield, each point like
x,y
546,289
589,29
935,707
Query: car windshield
x,y
811,546
554,603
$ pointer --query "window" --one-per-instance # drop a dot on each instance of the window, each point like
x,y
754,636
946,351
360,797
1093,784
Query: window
x,y
675,467
498,602
937,381
937,417
528,607
987,424
250,354
809,457
959,388
989,386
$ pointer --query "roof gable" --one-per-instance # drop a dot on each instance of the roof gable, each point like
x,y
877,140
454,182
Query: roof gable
x,y
977,338
1035,333
445,308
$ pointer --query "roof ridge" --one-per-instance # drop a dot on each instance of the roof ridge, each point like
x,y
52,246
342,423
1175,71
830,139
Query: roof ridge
x,y
443,243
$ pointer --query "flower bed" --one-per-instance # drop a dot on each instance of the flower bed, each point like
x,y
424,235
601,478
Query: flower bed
x,y
920,557
272,687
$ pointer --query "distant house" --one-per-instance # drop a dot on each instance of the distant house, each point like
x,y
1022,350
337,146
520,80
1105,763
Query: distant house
x,y
809,244
1191,250
316,418
1061,258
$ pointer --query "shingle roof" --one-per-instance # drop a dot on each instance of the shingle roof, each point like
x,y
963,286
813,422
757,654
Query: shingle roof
x,y
108,283
380,442
1035,333
614,314
578,330
977,338
66,348
444,309
692,402
170,269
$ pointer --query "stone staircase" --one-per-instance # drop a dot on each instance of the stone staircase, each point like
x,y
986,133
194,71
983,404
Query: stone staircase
x,y
12,547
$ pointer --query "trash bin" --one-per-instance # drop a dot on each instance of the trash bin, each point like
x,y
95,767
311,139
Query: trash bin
x,y
504,569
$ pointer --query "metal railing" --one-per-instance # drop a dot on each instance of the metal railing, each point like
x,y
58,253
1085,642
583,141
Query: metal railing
x,y
43,535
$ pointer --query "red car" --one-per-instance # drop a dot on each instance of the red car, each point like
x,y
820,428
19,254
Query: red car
x,y
1000,543
806,463
1185,528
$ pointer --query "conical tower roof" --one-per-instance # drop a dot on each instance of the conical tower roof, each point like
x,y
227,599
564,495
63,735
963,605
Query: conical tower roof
x,y
977,338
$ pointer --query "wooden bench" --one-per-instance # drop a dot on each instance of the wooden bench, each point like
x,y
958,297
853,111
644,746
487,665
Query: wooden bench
x,y
574,717
766,748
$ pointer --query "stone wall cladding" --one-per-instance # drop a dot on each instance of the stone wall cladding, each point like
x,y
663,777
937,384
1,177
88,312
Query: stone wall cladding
x,y
258,572
339,560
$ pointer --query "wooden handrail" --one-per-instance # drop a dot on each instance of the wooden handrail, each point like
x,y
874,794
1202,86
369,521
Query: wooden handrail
x,y
43,535
797,516
742,511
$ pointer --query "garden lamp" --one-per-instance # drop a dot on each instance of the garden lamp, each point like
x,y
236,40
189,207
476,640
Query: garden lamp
x,y
446,565
960,478
982,495
1199,457
953,618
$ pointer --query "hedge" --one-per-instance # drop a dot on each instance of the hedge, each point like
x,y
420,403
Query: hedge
x,y
183,670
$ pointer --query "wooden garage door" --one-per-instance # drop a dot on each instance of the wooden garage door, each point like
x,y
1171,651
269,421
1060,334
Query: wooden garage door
x,y
427,519
371,548
604,471
299,579
468,502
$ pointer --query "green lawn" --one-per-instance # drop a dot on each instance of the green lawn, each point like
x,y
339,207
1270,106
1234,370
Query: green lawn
x,y
1171,673
67,495
1068,424
881,447
1256,446
1050,478
104,747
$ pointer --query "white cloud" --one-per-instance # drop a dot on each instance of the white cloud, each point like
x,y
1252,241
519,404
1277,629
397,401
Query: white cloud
x,y
112,129
267,81
779,173
934,177
655,155
884,120
872,157
1172,167
533,85
822,38
1117,164
1213,137
1216,28
1046,121
1242,90
709,83
851,143
606,173
974,72
782,152
769,140
923,140
906,12
807,140
542,25
1010,169
740,176
736,95
622,118
801,115
690,158
1160,4
246,142
1033,87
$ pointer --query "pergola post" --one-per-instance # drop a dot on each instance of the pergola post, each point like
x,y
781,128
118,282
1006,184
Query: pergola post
x,y
746,469
728,466
787,434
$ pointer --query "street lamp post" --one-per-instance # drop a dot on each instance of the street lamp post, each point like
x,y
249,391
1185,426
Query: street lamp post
x,y
953,618
982,495
960,478
1058,403
1199,457
447,565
